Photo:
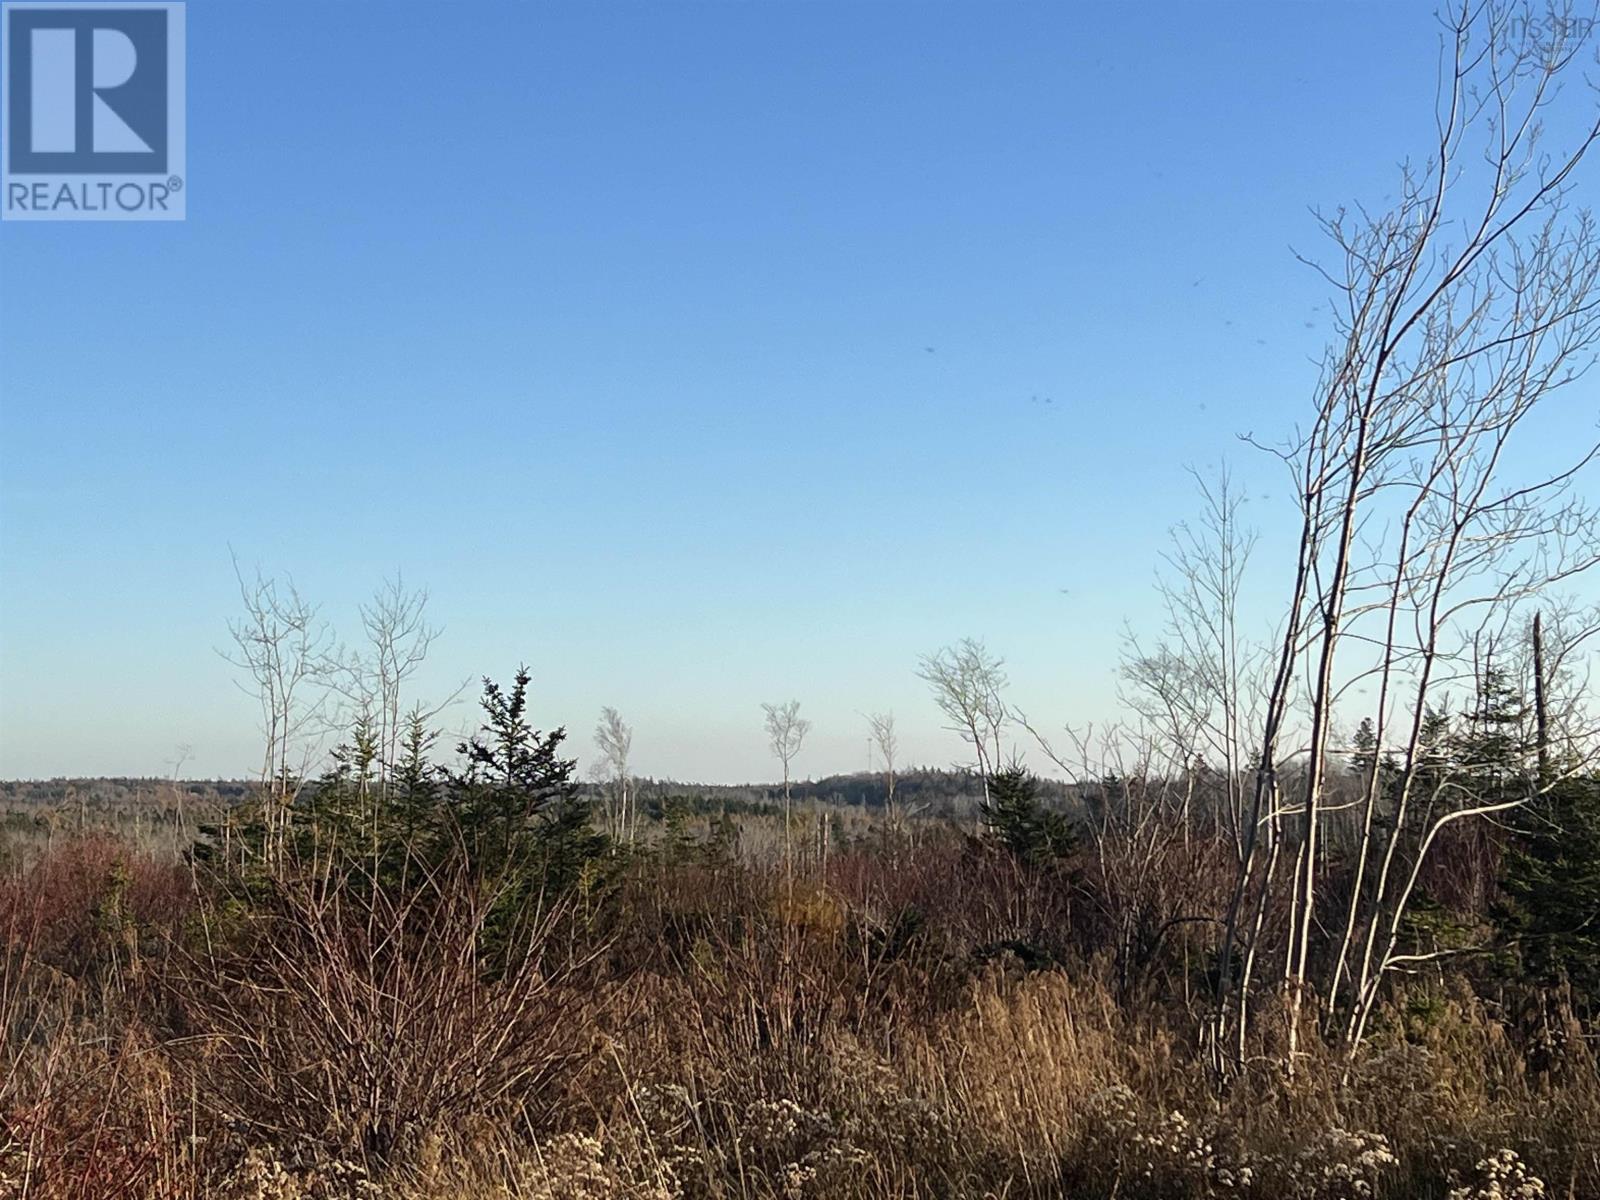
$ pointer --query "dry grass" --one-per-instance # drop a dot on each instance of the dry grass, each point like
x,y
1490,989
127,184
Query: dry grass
x,y
883,1033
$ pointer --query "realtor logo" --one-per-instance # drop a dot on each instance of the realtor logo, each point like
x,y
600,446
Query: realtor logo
x,y
92,112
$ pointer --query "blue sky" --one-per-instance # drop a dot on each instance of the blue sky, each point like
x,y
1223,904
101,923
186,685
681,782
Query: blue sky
x,y
687,351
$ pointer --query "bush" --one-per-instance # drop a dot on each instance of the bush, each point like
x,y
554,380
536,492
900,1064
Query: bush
x,y
358,1022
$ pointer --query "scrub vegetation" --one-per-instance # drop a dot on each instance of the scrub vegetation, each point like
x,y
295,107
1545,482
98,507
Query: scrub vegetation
x,y
1316,917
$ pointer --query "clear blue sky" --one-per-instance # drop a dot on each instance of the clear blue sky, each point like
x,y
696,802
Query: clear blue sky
x,y
687,351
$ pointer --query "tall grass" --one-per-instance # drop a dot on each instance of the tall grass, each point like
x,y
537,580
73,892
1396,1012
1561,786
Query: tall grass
x,y
933,1023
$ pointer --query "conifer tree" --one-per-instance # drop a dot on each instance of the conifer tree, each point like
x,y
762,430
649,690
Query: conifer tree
x,y
516,802
1018,820
1551,889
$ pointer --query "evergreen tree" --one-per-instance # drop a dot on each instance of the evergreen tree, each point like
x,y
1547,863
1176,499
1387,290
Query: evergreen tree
x,y
1494,751
1018,820
1434,752
1481,759
1551,887
517,803
332,817
1364,752
415,831
677,842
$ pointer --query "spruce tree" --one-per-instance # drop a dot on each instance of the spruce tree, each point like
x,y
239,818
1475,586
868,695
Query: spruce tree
x,y
1018,820
516,802
1551,889
1495,749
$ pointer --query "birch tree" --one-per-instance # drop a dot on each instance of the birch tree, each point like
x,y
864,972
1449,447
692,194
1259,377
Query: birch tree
x,y
786,734
614,739
1460,315
887,742
399,636
287,656
968,684
1195,687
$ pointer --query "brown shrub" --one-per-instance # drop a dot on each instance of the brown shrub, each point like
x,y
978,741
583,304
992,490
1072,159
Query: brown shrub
x,y
886,1029
86,1106
344,1018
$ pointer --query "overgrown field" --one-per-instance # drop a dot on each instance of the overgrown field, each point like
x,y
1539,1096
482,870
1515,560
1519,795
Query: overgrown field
x,y
922,1015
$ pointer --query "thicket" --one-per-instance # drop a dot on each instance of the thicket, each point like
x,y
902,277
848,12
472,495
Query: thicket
x,y
448,984
1234,955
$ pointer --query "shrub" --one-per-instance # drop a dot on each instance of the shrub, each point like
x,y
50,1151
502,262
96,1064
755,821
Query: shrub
x,y
359,1021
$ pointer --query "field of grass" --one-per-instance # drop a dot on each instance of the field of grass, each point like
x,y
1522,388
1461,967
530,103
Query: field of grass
x,y
917,1016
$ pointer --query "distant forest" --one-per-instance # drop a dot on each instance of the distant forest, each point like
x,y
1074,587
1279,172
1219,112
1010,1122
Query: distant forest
x,y
924,791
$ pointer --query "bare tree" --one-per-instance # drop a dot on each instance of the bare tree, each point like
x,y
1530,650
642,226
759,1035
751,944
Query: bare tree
x,y
1144,877
398,640
1194,686
786,733
1460,312
888,745
287,654
180,755
968,685
1552,665
613,738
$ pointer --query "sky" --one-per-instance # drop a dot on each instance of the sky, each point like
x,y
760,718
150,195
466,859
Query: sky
x,y
697,354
